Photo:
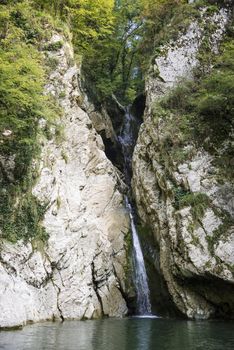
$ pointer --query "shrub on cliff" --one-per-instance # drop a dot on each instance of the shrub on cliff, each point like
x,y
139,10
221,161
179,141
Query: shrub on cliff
x,y
22,76
215,96
22,104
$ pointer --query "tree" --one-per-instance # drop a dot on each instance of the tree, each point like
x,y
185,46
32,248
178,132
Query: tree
x,y
114,64
91,21
22,77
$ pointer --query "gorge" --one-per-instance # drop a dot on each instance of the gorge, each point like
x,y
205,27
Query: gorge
x,y
96,196
127,140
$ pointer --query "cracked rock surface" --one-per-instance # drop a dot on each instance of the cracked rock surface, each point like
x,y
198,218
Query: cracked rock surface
x,y
196,254
80,274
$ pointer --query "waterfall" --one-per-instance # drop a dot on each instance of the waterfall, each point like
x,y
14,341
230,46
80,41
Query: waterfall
x,y
141,282
127,140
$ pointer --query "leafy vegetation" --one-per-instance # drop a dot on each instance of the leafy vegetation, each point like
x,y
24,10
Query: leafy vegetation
x,y
25,27
91,21
114,66
221,232
198,202
206,103
22,105
141,28
21,215
117,40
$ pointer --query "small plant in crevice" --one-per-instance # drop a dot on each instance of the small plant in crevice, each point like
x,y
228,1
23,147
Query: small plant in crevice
x,y
56,46
51,63
64,155
58,202
195,241
197,201
21,216
62,94
222,232
179,192
206,103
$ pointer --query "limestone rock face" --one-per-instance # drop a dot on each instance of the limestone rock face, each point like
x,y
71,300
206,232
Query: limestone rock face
x,y
179,58
81,272
196,247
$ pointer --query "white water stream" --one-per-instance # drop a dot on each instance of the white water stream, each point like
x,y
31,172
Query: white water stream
x,y
141,282
140,277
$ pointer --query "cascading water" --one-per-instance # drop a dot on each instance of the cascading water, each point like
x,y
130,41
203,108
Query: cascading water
x,y
127,140
141,283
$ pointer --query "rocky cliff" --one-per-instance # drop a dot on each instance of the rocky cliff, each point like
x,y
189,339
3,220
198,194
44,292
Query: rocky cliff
x,y
80,272
76,263
179,190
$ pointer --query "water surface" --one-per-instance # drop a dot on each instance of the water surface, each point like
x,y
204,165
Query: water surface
x,y
125,334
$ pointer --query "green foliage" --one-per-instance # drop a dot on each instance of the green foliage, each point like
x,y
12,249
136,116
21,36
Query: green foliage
x,y
119,61
221,232
194,199
54,46
116,39
175,142
178,99
22,104
91,21
179,194
207,103
159,14
114,67
51,63
198,202
215,96
21,217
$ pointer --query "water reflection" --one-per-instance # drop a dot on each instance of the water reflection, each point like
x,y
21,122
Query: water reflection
x,y
126,334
